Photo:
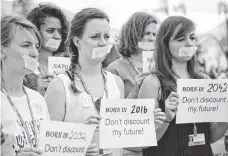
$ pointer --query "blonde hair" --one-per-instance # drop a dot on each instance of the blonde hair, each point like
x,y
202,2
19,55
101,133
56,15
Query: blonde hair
x,y
13,23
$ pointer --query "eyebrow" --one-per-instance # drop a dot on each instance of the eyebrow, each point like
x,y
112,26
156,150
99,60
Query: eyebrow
x,y
28,42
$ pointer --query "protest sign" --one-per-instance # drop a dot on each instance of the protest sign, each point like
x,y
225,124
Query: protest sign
x,y
58,65
148,61
65,139
127,123
202,100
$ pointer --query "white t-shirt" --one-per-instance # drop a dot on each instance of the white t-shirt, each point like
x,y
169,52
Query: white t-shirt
x,y
15,135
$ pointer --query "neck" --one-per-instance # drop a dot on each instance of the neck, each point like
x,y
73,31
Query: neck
x,y
43,56
13,82
87,68
180,69
137,58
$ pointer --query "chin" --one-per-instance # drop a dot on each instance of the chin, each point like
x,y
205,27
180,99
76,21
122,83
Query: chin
x,y
186,58
52,50
99,60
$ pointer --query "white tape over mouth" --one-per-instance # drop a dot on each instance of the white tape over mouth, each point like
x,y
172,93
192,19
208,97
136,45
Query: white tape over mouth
x,y
31,63
53,43
100,52
148,46
187,51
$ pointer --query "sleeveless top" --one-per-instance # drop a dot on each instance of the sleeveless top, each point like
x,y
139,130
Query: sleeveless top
x,y
175,140
79,106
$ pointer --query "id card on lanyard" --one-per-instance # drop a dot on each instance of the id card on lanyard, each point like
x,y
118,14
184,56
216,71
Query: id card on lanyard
x,y
196,139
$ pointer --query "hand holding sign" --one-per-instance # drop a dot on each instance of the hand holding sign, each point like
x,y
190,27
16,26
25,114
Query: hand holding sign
x,y
93,119
92,150
43,82
171,104
159,117
29,151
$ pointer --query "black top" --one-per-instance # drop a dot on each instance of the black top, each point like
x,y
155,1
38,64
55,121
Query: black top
x,y
175,140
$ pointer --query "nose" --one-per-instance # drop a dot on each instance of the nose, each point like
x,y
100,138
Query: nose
x,y
151,38
57,35
102,42
34,53
190,42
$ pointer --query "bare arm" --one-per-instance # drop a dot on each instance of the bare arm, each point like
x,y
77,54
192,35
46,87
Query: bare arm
x,y
217,130
120,85
149,90
55,98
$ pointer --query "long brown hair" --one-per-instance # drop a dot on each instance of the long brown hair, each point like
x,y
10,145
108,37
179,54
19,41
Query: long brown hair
x,y
132,32
77,28
163,55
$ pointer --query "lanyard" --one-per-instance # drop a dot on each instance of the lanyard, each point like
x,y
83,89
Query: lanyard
x,y
20,117
195,130
133,65
87,90
194,124
40,70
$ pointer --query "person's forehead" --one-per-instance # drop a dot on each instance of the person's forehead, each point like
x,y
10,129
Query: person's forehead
x,y
187,31
53,22
97,26
24,35
151,27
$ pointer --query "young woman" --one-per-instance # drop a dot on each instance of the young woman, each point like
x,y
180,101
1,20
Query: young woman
x,y
140,28
175,35
53,27
22,109
75,96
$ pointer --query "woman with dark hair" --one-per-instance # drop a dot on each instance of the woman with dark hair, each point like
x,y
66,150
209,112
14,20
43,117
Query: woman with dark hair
x,y
75,96
176,34
53,27
140,28
22,109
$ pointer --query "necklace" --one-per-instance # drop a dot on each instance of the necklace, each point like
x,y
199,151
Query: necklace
x,y
132,64
20,117
97,103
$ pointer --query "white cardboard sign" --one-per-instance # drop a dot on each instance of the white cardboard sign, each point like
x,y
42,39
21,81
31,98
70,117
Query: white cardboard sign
x,y
148,61
65,139
58,65
202,100
127,123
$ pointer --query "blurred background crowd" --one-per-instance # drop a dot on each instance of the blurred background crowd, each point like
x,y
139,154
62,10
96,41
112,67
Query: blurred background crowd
x,y
211,18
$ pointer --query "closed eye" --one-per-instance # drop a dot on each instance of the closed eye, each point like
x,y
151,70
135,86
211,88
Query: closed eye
x,y
180,39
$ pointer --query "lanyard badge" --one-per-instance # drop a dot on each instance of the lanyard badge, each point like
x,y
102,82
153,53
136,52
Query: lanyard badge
x,y
196,139
86,100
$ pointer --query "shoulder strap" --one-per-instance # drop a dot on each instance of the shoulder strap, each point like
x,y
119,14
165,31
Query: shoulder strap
x,y
113,89
66,80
